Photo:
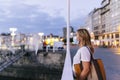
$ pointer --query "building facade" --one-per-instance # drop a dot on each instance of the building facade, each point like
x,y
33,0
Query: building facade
x,y
65,31
106,23
89,22
104,38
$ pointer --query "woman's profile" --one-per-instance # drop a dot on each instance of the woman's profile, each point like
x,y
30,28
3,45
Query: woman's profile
x,y
83,55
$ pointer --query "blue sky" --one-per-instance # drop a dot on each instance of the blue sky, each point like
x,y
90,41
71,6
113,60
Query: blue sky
x,y
47,16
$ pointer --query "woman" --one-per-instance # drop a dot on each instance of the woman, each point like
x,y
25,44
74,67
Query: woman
x,y
83,55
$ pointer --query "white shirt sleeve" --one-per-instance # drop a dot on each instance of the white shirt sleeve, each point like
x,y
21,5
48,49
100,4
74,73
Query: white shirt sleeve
x,y
82,54
85,54
76,59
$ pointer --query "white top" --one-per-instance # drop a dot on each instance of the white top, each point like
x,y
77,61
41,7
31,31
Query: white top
x,y
82,54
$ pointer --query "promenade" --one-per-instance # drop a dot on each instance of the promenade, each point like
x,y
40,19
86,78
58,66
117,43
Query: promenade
x,y
111,60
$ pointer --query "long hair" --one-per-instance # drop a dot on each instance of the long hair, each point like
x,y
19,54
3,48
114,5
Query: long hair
x,y
86,39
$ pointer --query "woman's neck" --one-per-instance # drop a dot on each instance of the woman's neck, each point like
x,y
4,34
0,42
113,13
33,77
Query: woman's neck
x,y
80,45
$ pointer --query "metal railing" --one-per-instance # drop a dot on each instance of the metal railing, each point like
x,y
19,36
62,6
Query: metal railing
x,y
7,57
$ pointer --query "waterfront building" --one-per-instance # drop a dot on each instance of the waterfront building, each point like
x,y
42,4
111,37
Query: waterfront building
x,y
104,28
65,31
51,39
5,40
89,22
106,23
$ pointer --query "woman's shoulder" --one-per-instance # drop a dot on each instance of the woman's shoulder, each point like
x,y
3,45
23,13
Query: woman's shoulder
x,y
84,48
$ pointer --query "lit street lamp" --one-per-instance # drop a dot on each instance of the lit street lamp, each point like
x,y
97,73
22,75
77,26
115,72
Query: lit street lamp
x,y
41,36
13,30
41,40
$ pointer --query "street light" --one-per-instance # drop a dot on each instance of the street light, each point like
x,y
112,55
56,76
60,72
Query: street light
x,y
67,70
71,34
41,35
13,30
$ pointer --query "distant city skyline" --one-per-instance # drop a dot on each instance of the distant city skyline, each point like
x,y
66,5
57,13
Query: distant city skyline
x,y
34,16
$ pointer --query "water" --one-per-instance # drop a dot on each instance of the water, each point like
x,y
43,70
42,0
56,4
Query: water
x,y
11,78
27,69
31,73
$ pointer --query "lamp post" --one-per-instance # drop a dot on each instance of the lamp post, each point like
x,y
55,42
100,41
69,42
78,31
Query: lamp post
x,y
41,36
67,70
13,30
41,40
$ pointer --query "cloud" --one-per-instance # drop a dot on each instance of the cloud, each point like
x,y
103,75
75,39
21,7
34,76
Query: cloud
x,y
30,20
77,23
32,16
